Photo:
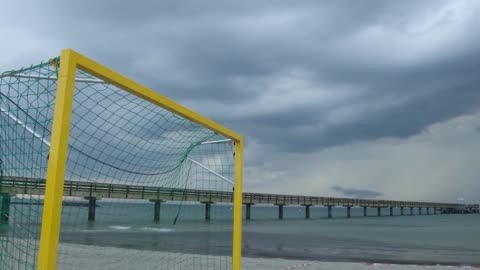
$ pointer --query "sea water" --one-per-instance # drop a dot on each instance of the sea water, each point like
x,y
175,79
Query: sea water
x,y
426,239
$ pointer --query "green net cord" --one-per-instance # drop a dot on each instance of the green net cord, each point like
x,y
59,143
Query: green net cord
x,y
144,188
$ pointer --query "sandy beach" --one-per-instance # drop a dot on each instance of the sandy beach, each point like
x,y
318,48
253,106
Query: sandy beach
x,y
74,256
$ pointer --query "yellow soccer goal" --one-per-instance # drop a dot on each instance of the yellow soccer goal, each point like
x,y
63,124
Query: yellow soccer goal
x,y
100,172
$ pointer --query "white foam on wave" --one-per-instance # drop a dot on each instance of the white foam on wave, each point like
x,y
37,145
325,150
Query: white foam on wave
x,y
122,228
162,230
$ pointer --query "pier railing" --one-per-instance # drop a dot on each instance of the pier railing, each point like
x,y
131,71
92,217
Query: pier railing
x,y
20,185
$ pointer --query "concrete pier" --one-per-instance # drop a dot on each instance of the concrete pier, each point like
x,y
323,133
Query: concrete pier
x,y
348,211
280,211
156,210
391,211
307,210
95,191
248,208
401,211
5,208
329,211
92,205
208,210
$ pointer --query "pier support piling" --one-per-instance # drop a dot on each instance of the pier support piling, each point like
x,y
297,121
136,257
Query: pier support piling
x,y
391,211
280,211
329,211
348,211
92,205
156,214
428,210
248,208
411,211
208,210
307,210
5,208
420,211
379,211
401,211
156,210
364,211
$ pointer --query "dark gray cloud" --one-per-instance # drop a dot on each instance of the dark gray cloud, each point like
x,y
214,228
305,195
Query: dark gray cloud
x,y
293,77
233,56
356,193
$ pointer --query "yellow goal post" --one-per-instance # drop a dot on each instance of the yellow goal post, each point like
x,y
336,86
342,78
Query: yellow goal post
x,y
70,63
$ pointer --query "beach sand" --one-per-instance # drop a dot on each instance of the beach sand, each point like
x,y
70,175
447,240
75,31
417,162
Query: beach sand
x,y
73,256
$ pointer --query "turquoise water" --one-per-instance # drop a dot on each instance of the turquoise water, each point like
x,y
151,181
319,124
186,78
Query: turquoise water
x,y
426,239
439,239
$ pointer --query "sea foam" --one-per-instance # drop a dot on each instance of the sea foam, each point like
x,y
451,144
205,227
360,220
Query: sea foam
x,y
162,230
122,228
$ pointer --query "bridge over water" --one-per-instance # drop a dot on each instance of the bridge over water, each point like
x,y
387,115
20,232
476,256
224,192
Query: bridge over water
x,y
11,186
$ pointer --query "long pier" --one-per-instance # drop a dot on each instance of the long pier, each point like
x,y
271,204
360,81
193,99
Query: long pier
x,y
11,186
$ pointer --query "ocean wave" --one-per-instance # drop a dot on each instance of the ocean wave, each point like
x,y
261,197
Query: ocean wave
x,y
122,228
163,230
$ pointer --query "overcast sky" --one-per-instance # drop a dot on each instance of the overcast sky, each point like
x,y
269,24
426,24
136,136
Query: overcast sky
x,y
336,98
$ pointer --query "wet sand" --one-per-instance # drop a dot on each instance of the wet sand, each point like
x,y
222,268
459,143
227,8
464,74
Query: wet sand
x,y
74,256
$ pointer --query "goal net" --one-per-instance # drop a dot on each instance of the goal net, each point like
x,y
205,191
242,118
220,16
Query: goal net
x,y
145,187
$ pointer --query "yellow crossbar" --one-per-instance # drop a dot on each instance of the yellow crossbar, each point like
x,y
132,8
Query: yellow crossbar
x,y
70,61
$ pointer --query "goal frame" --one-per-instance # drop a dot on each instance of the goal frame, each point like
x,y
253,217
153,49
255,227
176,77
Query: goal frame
x,y
70,62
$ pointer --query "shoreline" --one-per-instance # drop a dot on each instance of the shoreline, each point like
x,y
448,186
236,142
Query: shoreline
x,y
374,262
291,247
102,258
78,256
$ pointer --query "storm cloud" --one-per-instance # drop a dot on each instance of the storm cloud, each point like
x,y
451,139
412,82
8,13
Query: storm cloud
x,y
309,83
